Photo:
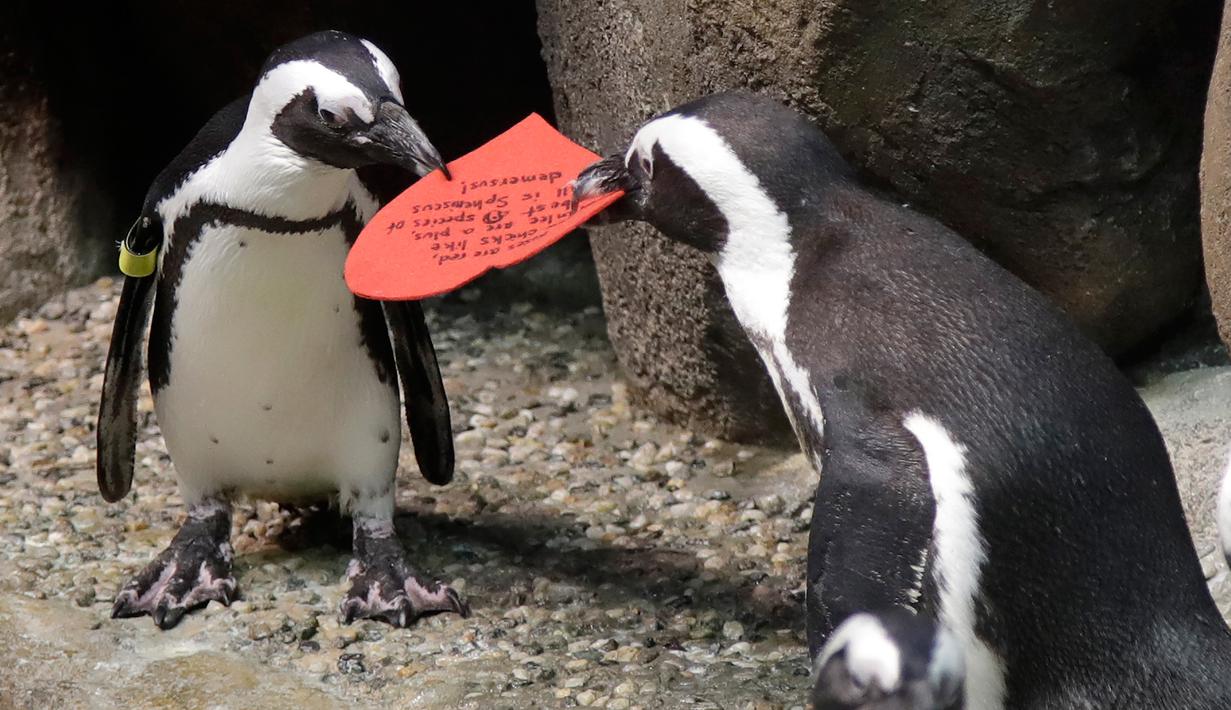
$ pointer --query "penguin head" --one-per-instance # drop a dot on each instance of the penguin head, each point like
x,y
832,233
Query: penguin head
x,y
694,170
336,100
893,660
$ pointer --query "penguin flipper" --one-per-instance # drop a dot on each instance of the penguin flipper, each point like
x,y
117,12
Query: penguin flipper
x,y
427,406
117,411
871,520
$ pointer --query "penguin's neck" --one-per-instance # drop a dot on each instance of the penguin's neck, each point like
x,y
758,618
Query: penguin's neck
x,y
263,175
757,265
757,275
757,270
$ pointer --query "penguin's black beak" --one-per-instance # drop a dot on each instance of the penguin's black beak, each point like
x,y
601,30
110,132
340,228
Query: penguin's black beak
x,y
603,178
396,138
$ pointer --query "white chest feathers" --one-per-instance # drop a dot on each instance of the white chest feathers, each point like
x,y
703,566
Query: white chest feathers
x,y
271,390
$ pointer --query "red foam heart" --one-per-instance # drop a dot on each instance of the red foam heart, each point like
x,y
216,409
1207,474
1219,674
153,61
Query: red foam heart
x,y
507,201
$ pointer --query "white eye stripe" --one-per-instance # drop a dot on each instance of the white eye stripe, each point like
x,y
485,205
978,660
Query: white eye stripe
x,y
757,261
282,83
388,72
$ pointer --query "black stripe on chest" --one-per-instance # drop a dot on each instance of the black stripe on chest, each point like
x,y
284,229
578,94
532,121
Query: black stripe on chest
x,y
186,233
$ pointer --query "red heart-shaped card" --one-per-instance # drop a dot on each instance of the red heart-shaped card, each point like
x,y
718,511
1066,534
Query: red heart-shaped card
x,y
507,201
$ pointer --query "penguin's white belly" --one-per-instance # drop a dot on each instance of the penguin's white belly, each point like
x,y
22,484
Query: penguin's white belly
x,y
271,391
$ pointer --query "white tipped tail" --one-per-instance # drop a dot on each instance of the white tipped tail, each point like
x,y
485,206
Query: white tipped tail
x,y
873,658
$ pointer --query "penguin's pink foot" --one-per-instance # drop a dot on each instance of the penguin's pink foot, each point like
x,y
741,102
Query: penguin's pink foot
x,y
192,571
384,586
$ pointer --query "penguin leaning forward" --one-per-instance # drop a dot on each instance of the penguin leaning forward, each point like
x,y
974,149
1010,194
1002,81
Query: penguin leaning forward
x,y
983,463
270,379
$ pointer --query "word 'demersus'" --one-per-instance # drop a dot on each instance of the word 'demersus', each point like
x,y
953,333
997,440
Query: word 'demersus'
x,y
471,185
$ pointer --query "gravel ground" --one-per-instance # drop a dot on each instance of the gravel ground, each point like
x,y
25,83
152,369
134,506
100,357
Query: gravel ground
x,y
611,560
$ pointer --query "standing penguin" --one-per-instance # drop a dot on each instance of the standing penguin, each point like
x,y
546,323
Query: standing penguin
x,y
982,461
270,379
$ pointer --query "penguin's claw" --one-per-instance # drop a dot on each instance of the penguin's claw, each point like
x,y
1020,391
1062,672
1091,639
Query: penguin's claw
x,y
184,577
392,593
166,616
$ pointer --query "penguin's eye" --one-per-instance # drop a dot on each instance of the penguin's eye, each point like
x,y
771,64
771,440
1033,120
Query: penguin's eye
x,y
647,167
330,118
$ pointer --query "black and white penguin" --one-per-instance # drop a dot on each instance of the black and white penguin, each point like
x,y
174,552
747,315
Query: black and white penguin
x,y
889,660
983,462
270,379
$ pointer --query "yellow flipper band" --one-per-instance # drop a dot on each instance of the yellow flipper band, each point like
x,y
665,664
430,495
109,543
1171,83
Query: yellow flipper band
x,y
137,265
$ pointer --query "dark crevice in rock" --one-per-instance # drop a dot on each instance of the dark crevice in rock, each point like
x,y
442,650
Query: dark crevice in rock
x,y
128,84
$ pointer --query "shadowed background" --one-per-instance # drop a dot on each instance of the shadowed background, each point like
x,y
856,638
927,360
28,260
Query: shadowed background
x,y
1062,141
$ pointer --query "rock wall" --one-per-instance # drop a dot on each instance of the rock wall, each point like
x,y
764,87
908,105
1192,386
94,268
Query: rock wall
x,y
1216,185
96,105
52,221
1061,138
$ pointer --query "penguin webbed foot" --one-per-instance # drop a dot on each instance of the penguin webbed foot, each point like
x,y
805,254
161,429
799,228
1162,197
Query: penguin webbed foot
x,y
385,587
194,569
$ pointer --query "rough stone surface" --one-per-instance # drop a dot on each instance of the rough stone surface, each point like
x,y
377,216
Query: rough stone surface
x,y
1060,138
58,655
52,221
611,560
1216,184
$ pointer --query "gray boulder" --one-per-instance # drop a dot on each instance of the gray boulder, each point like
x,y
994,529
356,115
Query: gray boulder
x,y
1216,185
1060,138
